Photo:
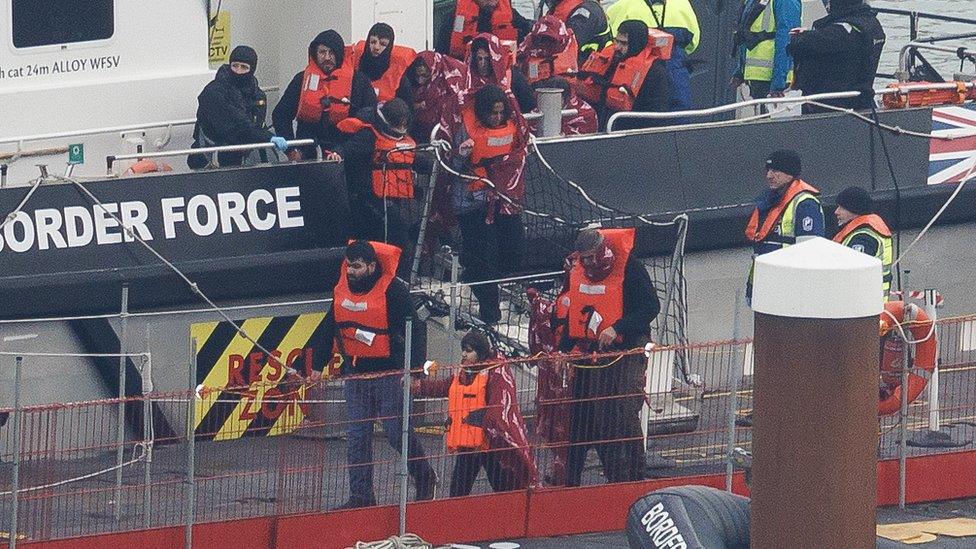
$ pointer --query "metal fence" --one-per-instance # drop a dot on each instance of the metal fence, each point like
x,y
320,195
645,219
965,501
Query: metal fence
x,y
281,445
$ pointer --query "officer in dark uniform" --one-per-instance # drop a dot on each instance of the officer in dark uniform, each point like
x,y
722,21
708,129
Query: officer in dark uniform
x,y
840,53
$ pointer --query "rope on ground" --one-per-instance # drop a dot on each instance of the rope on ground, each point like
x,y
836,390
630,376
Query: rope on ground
x,y
192,285
144,447
406,541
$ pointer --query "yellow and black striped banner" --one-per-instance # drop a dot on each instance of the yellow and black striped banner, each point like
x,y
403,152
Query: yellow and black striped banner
x,y
244,392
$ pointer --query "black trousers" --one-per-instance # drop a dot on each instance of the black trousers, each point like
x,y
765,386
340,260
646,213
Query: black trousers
x,y
467,466
391,223
489,252
606,416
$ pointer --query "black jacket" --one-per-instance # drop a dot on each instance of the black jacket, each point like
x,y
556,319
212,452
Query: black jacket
x,y
840,53
589,23
641,307
324,132
654,96
232,114
357,151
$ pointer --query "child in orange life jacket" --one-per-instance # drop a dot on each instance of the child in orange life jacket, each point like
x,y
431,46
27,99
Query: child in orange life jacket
x,y
485,427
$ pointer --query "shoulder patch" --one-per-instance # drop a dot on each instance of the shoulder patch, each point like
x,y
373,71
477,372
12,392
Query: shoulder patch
x,y
808,223
582,11
858,248
847,26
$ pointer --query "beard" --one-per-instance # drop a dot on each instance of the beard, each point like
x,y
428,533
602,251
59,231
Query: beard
x,y
363,284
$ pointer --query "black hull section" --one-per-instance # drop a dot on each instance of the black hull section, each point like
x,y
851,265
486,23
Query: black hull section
x,y
276,230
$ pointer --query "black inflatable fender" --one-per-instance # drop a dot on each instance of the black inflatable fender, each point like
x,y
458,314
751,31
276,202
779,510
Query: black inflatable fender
x,y
689,517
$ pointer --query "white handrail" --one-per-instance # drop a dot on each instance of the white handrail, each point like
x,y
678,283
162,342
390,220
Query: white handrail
x,y
727,108
903,57
111,159
95,131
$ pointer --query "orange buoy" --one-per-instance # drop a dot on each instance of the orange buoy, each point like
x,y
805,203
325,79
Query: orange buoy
x,y
913,319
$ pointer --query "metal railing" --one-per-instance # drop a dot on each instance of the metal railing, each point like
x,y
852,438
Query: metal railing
x,y
914,20
111,159
96,131
906,57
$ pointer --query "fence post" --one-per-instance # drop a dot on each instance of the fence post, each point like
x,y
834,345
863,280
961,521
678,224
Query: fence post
x,y
455,273
15,434
935,419
190,480
405,426
737,373
120,429
148,435
903,422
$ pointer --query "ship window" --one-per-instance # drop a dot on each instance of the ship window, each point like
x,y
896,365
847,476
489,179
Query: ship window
x,y
47,22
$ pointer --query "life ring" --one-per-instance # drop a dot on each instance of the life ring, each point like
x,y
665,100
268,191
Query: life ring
x,y
913,319
147,166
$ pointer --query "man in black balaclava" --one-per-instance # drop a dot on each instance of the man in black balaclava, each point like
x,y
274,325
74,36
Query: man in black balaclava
x,y
654,94
840,53
327,68
377,49
231,111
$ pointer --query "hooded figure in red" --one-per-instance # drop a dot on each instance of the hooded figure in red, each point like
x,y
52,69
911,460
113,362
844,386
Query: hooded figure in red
x,y
549,50
489,62
504,450
432,81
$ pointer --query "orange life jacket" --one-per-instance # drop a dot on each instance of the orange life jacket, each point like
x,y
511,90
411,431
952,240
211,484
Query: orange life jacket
x,y
466,25
392,164
361,319
754,232
386,86
490,144
628,78
566,8
461,401
566,64
871,220
316,85
147,166
596,305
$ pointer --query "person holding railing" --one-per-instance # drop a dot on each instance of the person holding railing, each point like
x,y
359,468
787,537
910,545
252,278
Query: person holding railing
x,y
327,92
379,158
840,53
629,75
366,323
608,308
485,428
231,111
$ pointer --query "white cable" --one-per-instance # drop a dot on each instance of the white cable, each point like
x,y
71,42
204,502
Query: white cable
x,y
894,129
77,355
962,183
13,215
142,445
193,285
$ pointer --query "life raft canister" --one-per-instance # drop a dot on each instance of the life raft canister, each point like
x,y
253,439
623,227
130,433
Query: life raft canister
x,y
914,94
914,320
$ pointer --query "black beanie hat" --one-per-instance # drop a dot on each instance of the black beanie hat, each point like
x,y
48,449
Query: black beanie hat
x,y
784,160
636,31
245,54
856,200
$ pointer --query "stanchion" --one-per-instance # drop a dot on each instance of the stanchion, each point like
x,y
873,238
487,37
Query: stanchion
x,y
148,434
15,434
190,480
903,419
737,371
405,426
455,273
120,429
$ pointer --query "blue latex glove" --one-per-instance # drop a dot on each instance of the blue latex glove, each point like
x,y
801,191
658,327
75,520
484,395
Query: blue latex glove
x,y
280,143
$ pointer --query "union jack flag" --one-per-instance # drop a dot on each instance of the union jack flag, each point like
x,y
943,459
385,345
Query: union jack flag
x,y
950,161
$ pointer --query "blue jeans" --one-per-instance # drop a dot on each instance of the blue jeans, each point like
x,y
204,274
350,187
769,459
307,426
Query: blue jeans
x,y
366,401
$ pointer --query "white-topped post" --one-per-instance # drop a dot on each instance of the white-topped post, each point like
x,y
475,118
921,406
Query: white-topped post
x,y
815,397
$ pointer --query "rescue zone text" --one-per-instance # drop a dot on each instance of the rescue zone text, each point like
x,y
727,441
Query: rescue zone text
x,y
202,215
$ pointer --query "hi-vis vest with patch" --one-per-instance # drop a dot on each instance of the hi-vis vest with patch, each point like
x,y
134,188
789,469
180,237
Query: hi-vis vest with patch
x,y
759,60
392,165
779,225
628,79
490,144
386,86
596,305
316,85
361,319
466,25
461,401
873,226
